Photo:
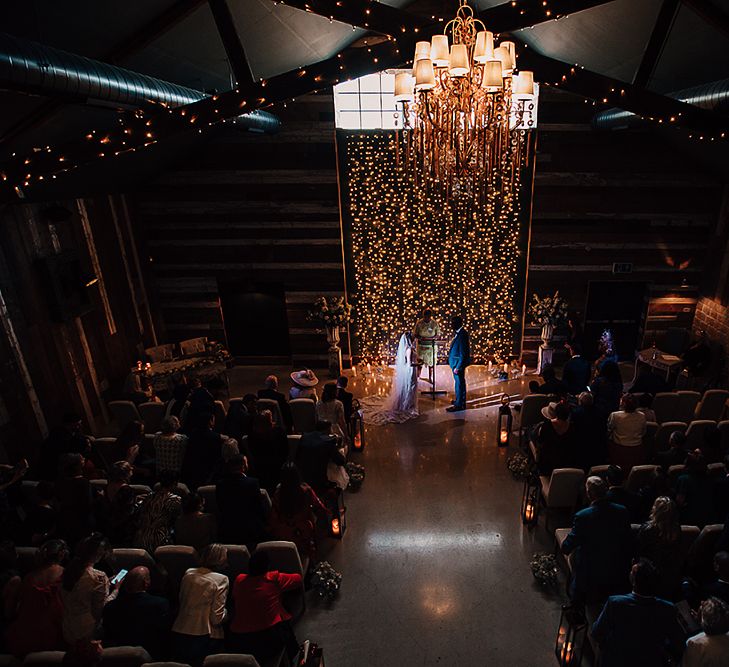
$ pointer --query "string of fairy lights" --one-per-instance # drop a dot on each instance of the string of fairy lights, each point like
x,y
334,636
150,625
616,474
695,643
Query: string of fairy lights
x,y
143,128
415,246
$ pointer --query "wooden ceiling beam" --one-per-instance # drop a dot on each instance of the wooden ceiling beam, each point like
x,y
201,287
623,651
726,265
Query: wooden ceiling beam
x,y
656,42
231,42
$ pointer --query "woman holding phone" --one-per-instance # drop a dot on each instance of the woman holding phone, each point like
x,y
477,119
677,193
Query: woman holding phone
x,y
85,590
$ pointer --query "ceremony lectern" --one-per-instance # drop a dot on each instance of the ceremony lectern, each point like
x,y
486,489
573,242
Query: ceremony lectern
x,y
432,342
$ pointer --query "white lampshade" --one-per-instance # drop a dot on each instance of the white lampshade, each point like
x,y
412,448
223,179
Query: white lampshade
x,y
502,55
422,50
424,75
439,50
484,49
404,84
458,62
511,48
492,76
523,85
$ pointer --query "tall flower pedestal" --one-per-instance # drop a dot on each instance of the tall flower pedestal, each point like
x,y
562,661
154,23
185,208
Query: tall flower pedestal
x,y
546,351
335,353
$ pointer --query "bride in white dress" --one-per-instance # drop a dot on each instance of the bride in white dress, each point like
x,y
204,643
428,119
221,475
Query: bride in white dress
x,y
402,403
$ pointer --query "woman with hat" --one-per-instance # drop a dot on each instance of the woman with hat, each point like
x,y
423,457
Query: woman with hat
x,y
555,439
304,383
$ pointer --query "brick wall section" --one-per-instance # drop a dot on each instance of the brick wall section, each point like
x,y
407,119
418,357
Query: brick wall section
x,y
714,318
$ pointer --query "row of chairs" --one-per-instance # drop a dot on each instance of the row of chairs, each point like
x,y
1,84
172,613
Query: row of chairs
x,y
170,563
563,490
135,656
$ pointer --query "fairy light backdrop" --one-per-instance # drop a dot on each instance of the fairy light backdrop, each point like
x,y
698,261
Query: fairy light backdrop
x,y
409,247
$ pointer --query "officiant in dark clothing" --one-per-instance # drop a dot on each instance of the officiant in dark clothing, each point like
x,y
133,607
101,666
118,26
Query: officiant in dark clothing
x,y
459,358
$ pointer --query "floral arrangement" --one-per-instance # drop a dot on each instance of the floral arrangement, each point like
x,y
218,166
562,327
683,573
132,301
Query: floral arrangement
x,y
356,474
548,310
326,580
519,466
545,569
334,312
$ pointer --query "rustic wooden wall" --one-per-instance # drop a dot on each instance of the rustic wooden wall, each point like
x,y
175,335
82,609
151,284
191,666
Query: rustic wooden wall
x,y
52,367
618,197
252,208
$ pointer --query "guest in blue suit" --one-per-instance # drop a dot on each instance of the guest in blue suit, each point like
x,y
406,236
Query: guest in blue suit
x,y
603,545
459,357
638,629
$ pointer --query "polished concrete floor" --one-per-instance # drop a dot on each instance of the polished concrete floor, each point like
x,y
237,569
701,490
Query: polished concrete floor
x,y
435,560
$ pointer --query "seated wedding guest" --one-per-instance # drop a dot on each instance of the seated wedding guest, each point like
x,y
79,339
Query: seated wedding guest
x,y
590,432
180,394
648,382
157,515
294,512
602,541
576,372
711,445
204,451
194,527
638,629
694,492
626,428
137,618
137,389
330,409
85,590
199,402
555,439
261,625
710,648
268,448
169,446
39,614
65,439
551,384
42,515
645,405
675,454
116,506
241,517
239,420
619,495
304,383
74,498
198,629
315,451
659,540
346,397
719,586
128,447
270,391
607,388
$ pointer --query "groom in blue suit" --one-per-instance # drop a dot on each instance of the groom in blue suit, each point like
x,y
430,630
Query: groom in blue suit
x,y
459,357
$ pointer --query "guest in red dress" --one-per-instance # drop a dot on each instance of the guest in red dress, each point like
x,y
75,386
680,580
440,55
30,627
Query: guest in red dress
x,y
261,625
38,623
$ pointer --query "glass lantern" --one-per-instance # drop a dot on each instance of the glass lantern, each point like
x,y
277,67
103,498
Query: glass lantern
x,y
503,431
530,500
570,636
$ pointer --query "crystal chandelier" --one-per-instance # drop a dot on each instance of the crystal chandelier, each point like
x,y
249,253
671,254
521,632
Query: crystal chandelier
x,y
466,108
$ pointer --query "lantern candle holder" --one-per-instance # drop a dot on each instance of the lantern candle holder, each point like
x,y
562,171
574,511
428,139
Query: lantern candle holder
x,y
356,427
338,521
505,422
570,636
530,500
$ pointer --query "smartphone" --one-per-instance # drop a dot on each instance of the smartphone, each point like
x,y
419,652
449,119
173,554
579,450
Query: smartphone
x,y
119,576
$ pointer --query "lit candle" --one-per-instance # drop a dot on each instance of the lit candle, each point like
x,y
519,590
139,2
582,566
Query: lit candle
x,y
506,368
354,371
523,369
490,365
504,436
335,526
529,512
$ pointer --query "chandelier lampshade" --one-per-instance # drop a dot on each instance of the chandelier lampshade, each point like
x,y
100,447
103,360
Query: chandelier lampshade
x,y
424,75
439,51
458,64
524,85
422,50
484,49
404,87
501,53
492,76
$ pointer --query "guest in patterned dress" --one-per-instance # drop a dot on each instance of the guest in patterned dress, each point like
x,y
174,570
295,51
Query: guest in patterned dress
x,y
158,514
170,446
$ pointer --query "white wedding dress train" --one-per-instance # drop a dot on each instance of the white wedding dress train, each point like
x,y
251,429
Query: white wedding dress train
x,y
402,403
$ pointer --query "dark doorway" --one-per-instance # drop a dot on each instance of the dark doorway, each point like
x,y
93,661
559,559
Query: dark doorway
x,y
255,319
620,307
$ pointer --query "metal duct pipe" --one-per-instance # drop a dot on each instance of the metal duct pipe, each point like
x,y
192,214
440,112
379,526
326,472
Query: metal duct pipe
x,y
710,96
30,67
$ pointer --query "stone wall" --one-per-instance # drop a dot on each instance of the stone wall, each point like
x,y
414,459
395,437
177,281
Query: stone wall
x,y
713,317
